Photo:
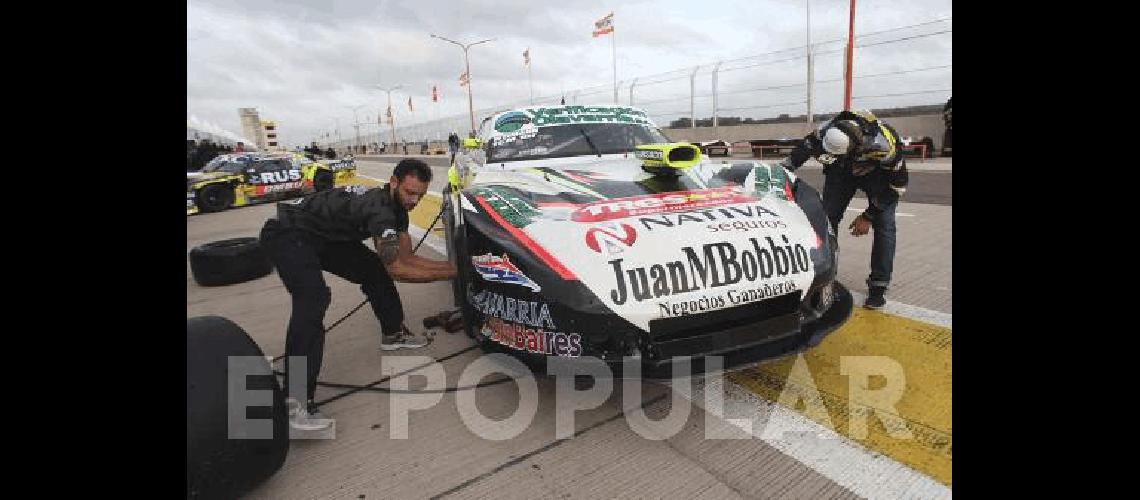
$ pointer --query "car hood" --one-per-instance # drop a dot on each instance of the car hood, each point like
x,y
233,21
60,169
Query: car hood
x,y
720,234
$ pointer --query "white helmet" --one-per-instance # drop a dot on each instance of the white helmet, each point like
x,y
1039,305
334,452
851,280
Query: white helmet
x,y
839,138
835,141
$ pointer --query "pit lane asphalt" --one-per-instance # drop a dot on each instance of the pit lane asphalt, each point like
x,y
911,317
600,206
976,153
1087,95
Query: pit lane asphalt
x,y
443,457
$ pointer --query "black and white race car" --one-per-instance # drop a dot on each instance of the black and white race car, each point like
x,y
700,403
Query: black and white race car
x,y
582,231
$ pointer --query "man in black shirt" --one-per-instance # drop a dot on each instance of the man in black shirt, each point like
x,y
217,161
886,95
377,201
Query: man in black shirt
x,y
324,232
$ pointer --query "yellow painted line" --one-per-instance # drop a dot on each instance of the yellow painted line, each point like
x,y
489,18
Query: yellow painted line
x,y
923,411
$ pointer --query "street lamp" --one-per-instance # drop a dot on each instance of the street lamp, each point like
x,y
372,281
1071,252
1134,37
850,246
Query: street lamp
x,y
356,126
467,62
392,116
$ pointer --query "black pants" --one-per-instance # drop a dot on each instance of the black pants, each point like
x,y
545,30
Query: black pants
x,y
300,257
838,189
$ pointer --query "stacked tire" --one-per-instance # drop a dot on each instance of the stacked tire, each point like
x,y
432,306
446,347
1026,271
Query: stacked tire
x,y
227,262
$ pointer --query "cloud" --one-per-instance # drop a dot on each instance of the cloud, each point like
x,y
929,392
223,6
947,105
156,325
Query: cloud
x,y
306,63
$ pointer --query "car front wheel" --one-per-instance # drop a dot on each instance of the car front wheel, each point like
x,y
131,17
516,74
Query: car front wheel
x,y
215,197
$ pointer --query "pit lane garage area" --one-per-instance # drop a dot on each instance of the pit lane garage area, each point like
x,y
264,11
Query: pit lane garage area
x,y
867,413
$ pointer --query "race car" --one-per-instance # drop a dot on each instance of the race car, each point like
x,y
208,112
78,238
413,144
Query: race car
x,y
582,231
242,179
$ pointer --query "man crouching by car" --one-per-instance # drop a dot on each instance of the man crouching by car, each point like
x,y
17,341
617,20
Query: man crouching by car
x,y
324,232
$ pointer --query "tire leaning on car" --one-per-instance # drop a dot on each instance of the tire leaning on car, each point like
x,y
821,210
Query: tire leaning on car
x,y
219,465
323,180
215,197
230,261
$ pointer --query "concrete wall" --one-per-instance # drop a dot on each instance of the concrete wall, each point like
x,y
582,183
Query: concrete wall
x,y
915,126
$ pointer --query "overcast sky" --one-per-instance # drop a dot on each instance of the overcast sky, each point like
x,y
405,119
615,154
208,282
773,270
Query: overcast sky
x,y
306,63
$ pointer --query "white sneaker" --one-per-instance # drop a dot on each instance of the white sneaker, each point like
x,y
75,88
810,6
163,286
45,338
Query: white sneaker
x,y
402,340
291,406
306,419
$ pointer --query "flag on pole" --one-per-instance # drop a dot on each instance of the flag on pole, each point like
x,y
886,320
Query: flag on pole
x,y
526,57
434,94
410,108
604,25
464,79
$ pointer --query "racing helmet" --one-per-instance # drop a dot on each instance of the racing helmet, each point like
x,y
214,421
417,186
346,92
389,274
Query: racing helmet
x,y
865,114
841,137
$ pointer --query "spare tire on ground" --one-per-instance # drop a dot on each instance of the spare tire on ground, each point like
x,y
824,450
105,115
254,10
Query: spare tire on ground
x,y
226,262
218,465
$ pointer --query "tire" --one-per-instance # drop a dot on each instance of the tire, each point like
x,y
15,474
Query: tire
x,y
457,254
216,465
227,262
323,180
215,197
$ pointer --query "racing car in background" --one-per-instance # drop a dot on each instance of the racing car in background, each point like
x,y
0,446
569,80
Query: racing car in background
x,y
583,231
242,179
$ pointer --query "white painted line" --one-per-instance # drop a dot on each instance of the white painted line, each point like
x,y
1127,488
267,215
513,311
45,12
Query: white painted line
x,y
863,472
433,241
908,311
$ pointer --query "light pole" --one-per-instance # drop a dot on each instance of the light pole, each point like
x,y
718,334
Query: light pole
x,y
467,63
356,125
810,70
393,115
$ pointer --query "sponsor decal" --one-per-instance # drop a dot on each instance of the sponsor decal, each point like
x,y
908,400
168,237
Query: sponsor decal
x,y
533,340
675,308
772,180
583,114
610,238
650,155
514,209
670,309
277,188
748,225
276,177
716,265
761,292
510,122
702,217
680,201
356,189
500,269
529,312
527,132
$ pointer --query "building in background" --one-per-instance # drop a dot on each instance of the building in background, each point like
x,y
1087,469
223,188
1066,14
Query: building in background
x,y
269,136
251,127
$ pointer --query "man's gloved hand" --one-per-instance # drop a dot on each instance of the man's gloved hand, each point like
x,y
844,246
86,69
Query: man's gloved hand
x,y
860,225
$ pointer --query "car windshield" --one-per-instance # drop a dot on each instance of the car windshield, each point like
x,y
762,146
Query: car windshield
x,y
228,165
571,140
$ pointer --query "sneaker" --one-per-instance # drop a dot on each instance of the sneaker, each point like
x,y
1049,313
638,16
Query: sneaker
x,y
402,340
309,419
875,299
291,406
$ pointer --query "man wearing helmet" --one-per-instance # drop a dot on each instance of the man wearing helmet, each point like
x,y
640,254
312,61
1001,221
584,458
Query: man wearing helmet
x,y
860,152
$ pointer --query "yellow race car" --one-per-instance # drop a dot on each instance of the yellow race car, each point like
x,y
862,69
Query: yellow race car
x,y
241,179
